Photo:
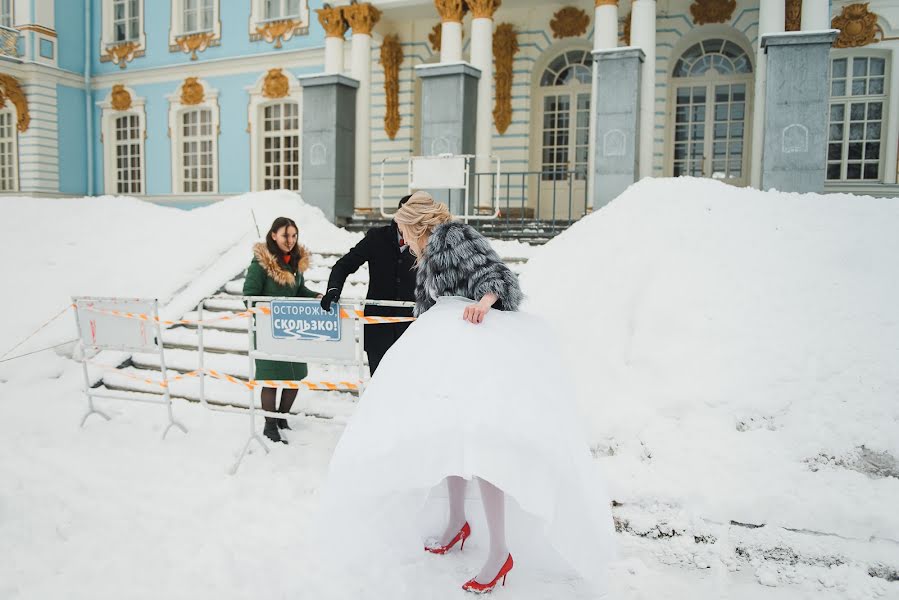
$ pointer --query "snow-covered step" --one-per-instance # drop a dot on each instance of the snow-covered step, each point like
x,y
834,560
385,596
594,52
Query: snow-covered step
x,y
213,340
185,361
324,404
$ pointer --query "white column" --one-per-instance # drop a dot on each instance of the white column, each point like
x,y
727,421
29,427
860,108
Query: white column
x,y
815,15
482,58
643,36
772,14
333,55
361,57
451,42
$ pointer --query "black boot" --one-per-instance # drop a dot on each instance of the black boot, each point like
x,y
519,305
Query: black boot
x,y
271,431
282,424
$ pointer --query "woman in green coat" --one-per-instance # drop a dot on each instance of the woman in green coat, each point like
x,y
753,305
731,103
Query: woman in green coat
x,y
277,271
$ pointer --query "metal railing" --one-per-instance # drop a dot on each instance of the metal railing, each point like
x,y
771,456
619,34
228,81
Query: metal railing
x,y
9,42
546,200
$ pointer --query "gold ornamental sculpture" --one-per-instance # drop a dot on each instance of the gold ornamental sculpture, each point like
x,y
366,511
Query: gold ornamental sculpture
x,y
626,30
278,31
483,9
391,59
793,17
192,92
706,12
194,42
505,47
569,22
12,91
122,54
332,21
121,98
362,17
276,84
858,27
451,11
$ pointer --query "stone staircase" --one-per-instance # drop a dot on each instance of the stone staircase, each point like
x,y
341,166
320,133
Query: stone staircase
x,y
226,347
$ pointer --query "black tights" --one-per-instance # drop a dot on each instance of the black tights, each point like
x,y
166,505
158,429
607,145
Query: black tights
x,y
269,396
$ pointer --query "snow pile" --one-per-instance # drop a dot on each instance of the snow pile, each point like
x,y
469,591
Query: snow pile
x,y
737,352
53,249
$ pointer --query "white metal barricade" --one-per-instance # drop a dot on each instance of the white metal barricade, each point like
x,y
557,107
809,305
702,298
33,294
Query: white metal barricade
x,y
262,344
127,325
442,172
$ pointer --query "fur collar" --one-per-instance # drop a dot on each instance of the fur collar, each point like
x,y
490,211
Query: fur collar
x,y
274,268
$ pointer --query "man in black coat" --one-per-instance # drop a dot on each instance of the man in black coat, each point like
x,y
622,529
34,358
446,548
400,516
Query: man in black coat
x,y
391,276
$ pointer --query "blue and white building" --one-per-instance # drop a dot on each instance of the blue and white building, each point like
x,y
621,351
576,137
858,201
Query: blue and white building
x,y
200,99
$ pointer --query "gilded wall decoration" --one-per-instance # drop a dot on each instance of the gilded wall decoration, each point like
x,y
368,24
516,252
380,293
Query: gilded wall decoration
x,y
122,54
195,42
332,21
362,17
276,31
626,31
391,59
483,9
858,27
451,11
569,22
120,97
793,17
12,91
192,92
706,12
276,84
505,47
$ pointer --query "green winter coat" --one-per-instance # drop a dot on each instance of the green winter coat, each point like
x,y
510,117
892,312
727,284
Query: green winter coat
x,y
269,276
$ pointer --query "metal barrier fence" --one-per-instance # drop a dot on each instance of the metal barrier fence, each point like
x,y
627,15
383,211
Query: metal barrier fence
x,y
554,199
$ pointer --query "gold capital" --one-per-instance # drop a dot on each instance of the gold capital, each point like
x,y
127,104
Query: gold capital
x,y
451,11
483,9
362,17
332,20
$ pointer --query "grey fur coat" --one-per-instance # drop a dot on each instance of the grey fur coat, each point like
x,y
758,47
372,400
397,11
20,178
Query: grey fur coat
x,y
459,261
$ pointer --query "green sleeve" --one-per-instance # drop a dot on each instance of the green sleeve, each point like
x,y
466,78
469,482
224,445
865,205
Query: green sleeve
x,y
303,291
253,284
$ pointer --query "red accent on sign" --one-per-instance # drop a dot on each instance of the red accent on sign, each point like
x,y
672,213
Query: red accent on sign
x,y
93,331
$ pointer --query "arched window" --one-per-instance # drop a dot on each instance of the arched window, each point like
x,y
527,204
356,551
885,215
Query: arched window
x,y
281,146
565,103
711,91
9,168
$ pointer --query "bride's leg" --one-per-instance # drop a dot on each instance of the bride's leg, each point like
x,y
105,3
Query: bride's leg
x,y
456,487
495,509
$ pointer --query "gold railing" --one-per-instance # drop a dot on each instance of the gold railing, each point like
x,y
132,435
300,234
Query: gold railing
x,y
9,42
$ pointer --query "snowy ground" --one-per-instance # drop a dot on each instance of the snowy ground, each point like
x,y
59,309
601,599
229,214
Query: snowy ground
x,y
737,363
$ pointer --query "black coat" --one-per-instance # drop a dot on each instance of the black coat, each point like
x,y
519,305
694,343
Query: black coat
x,y
391,277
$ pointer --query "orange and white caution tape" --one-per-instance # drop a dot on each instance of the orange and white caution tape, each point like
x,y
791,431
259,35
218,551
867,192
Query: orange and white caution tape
x,y
344,314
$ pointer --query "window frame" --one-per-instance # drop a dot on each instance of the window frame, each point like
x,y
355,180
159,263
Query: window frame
x,y
107,37
178,29
258,20
108,119
176,111
255,117
10,110
7,13
846,101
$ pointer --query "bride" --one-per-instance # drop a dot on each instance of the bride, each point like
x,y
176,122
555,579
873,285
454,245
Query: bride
x,y
473,391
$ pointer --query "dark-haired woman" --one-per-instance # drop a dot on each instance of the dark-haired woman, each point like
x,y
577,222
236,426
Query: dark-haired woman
x,y
277,271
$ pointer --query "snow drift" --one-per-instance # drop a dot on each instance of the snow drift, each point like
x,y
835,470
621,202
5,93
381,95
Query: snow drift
x,y
737,351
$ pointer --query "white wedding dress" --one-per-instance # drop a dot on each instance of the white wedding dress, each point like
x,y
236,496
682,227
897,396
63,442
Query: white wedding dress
x,y
452,398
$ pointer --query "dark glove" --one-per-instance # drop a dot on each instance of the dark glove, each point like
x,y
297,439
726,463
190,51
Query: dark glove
x,y
333,295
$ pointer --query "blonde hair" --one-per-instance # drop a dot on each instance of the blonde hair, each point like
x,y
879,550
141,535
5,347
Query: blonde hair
x,y
420,215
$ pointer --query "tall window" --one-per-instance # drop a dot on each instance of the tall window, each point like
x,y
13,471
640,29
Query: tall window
x,y
128,159
281,146
710,97
565,88
198,16
281,9
8,151
857,101
6,13
125,20
197,151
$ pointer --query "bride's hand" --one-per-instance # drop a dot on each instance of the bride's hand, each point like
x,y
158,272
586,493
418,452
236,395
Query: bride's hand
x,y
474,313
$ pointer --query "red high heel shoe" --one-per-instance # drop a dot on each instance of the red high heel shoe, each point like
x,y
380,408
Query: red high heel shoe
x,y
483,588
461,536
